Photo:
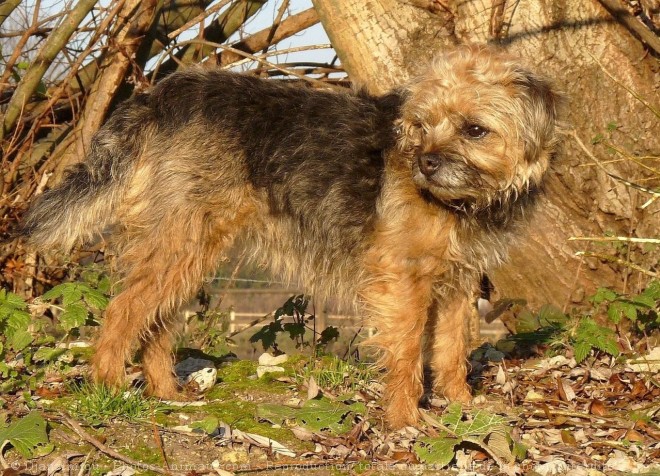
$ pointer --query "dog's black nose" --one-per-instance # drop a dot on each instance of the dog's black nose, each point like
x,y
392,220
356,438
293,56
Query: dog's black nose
x,y
428,164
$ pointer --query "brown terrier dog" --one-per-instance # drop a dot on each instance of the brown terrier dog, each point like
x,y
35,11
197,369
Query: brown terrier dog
x,y
401,201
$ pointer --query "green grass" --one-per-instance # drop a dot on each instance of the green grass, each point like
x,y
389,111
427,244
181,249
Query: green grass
x,y
98,404
338,375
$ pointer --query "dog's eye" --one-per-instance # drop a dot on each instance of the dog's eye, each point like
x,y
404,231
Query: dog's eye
x,y
475,131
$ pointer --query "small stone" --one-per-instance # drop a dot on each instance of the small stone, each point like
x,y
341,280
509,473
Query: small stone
x,y
268,359
200,371
479,399
267,369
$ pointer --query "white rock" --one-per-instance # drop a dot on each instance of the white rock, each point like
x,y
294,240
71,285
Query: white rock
x,y
267,369
200,371
268,359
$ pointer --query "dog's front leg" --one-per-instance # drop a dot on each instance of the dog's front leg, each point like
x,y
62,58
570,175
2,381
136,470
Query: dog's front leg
x,y
398,303
445,347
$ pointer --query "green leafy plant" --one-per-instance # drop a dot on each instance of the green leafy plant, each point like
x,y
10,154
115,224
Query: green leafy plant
x,y
598,330
588,335
546,327
642,311
295,308
639,311
28,436
29,335
335,416
14,322
79,300
489,431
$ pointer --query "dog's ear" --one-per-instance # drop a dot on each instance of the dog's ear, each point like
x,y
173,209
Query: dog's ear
x,y
541,106
409,134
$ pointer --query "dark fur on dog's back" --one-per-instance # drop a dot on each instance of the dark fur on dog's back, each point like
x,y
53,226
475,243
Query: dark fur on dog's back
x,y
299,146
322,157
398,203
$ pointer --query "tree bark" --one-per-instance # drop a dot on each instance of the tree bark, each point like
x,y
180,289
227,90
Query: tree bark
x,y
218,32
53,45
137,17
576,43
6,8
264,38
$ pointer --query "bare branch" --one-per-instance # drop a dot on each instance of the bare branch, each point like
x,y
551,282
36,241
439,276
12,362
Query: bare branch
x,y
204,14
222,28
629,21
262,39
138,16
6,8
55,42
654,241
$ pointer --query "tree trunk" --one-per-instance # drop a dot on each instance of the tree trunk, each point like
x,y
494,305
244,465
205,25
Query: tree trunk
x,y
137,17
53,45
579,45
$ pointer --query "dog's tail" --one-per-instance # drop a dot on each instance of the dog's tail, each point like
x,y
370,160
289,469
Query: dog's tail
x,y
85,202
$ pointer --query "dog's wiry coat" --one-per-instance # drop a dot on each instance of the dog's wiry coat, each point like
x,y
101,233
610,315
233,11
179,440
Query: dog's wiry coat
x,y
400,201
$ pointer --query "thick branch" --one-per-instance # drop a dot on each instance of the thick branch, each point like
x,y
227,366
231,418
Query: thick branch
x,y
262,39
53,45
173,15
629,21
6,8
139,16
217,32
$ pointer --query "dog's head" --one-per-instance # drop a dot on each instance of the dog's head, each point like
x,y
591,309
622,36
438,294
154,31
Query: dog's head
x,y
479,128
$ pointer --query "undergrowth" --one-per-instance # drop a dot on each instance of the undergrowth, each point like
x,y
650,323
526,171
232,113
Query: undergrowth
x,y
98,404
38,337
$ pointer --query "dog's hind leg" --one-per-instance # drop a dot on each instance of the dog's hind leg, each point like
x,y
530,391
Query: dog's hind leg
x,y
164,265
158,358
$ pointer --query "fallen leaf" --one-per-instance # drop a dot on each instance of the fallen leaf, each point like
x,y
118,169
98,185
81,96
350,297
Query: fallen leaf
x,y
302,434
500,379
559,420
622,462
556,466
652,432
648,363
568,438
122,471
312,388
533,396
566,392
404,457
264,442
602,374
597,408
634,435
639,389
617,385
478,455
